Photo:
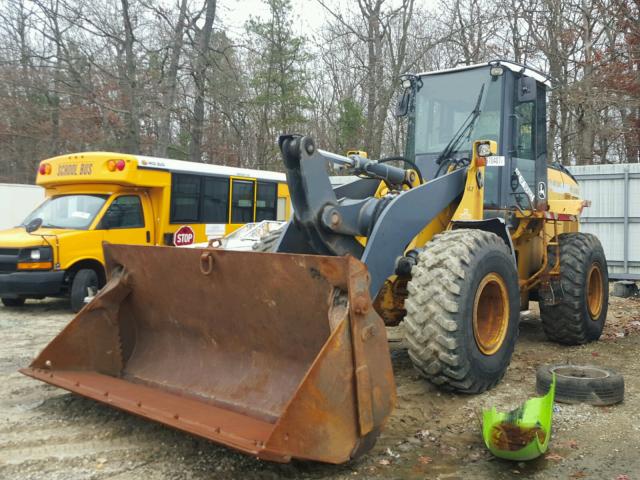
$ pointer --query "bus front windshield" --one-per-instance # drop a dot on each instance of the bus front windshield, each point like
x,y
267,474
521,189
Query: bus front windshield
x,y
444,103
74,212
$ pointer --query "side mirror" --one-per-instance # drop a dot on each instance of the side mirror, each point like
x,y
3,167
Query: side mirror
x,y
526,89
402,105
33,225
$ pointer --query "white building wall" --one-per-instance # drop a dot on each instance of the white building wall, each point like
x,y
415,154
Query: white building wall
x,y
16,202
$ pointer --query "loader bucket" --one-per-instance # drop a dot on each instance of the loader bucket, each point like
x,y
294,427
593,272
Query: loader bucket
x,y
278,355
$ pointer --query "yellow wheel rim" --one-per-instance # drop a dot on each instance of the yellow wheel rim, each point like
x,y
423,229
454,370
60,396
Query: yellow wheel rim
x,y
595,289
491,314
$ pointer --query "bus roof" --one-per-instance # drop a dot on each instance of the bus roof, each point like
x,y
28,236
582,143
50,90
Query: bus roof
x,y
205,168
94,167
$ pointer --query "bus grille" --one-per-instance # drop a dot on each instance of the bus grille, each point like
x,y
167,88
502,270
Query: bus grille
x,y
8,259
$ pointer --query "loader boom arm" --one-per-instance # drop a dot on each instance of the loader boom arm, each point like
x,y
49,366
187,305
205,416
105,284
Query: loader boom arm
x,y
325,224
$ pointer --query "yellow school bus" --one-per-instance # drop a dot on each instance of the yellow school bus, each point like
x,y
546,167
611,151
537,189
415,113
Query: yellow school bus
x,y
100,197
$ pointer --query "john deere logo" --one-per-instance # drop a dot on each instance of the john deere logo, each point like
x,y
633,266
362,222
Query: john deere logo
x,y
542,191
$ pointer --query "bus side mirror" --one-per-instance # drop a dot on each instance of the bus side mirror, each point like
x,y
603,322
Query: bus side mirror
x,y
402,104
33,225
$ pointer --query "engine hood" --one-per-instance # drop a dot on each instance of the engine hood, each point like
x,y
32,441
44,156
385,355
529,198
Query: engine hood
x,y
18,238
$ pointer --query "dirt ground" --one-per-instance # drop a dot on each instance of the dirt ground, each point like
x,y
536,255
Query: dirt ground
x,y
47,433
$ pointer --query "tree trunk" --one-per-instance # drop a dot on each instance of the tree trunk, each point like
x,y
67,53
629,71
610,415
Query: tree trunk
x,y
199,78
170,84
131,142
372,16
586,120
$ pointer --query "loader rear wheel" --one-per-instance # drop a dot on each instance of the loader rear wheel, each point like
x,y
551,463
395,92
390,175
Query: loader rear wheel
x,y
579,317
463,310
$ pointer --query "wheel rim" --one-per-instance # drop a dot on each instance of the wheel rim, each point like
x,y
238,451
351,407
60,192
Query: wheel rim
x,y
594,291
490,314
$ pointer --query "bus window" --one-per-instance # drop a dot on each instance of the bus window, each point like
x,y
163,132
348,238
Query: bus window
x,y
242,201
266,208
68,211
185,198
215,200
124,212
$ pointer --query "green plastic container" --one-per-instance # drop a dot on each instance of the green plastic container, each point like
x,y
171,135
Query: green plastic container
x,y
523,433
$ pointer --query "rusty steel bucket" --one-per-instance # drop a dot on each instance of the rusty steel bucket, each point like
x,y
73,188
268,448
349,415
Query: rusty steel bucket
x,y
280,356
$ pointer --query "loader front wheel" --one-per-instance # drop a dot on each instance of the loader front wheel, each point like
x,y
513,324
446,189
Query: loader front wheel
x,y
463,310
579,317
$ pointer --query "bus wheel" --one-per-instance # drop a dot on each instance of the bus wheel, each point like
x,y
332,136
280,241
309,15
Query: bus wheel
x,y
85,283
13,302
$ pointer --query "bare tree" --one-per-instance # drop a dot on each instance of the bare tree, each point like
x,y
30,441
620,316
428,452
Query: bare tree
x,y
199,75
169,85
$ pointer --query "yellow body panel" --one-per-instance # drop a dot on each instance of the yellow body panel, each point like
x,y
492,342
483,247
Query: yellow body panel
x,y
564,193
89,173
535,232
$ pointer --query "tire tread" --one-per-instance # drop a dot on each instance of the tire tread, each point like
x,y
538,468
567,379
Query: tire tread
x,y
565,322
435,295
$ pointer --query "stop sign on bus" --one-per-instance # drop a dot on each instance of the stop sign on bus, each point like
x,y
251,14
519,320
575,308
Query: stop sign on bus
x,y
184,236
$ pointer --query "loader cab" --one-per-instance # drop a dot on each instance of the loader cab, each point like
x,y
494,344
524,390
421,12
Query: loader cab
x,y
499,101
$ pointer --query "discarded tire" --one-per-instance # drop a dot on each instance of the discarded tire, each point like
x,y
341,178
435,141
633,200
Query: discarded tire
x,y
582,384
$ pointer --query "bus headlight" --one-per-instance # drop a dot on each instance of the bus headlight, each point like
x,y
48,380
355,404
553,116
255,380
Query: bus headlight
x,y
38,258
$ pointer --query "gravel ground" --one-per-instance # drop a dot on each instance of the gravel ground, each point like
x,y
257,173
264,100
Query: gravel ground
x,y
47,433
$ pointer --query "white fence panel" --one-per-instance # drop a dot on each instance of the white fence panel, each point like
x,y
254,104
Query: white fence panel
x,y
614,215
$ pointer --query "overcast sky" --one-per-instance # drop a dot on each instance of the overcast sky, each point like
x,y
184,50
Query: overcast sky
x,y
307,14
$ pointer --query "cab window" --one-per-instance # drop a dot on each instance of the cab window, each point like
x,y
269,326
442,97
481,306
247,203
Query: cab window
x,y
242,201
124,212
526,133
266,204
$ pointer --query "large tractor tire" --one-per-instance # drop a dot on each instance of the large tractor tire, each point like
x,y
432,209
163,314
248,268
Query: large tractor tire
x,y
463,310
579,317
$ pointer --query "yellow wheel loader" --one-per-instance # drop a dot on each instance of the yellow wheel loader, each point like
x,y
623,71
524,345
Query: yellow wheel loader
x,y
284,354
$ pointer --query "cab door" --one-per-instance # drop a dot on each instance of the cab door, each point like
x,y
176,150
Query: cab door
x,y
528,153
129,220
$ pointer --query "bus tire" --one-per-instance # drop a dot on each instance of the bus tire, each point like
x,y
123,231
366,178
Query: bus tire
x,y
85,283
13,302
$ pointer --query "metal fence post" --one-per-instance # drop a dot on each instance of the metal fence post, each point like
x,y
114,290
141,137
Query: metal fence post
x,y
626,219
